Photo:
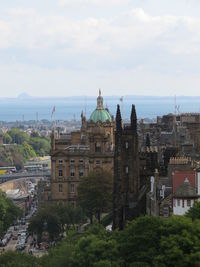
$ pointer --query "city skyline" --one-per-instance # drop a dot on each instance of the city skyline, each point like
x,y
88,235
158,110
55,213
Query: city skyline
x,y
72,48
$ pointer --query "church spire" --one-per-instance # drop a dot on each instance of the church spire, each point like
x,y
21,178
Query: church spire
x,y
133,118
118,120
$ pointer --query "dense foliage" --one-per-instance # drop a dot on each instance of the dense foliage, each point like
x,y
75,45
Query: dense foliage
x,y
95,193
54,219
194,212
21,147
146,241
17,259
8,212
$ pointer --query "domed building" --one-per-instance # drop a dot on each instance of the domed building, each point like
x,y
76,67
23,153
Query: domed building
x,y
76,154
100,114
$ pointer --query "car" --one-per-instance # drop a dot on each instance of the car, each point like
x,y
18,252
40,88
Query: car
x,y
4,242
15,237
8,236
16,227
20,246
23,221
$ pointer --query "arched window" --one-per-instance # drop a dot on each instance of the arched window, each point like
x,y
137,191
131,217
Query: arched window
x,y
126,170
127,145
97,147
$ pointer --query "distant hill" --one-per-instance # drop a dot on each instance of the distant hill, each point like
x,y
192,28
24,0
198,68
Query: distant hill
x,y
24,96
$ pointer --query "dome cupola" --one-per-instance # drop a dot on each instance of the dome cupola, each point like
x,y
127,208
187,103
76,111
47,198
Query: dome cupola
x,y
100,114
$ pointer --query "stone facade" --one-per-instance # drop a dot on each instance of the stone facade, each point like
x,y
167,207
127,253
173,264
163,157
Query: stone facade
x,y
76,154
127,194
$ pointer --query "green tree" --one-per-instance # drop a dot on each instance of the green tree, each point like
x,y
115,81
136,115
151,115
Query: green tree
x,y
140,240
194,212
18,259
41,145
155,241
180,243
26,151
7,139
68,214
94,251
56,217
8,212
18,136
45,220
95,193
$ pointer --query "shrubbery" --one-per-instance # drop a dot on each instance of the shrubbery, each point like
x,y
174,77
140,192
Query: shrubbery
x,y
22,147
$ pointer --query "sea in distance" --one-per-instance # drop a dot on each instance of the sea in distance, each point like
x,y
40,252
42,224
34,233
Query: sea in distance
x,y
70,108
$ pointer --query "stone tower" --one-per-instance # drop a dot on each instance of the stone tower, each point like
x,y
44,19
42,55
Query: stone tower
x,y
126,171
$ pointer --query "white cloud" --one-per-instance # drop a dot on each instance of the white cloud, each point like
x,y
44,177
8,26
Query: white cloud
x,y
25,28
131,41
99,3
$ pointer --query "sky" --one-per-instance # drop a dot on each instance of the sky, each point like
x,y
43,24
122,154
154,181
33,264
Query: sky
x,y
74,47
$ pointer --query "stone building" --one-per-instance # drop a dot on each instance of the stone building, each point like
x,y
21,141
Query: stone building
x,y
127,194
76,154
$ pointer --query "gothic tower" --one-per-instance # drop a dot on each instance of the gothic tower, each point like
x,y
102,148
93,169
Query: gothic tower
x,y
126,171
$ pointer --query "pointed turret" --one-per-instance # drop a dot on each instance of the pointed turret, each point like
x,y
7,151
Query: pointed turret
x,y
133,118
148,142
118,120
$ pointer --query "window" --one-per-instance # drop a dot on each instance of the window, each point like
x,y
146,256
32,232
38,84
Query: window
x,y
72,173
60,161
183,204
178,202
60,187
60,174
97,162
81,173
166,211
81,161
188,202
126,169
72,161
97,147
126,145
72,187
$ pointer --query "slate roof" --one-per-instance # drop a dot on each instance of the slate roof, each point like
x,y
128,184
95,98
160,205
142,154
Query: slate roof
x,y
186,190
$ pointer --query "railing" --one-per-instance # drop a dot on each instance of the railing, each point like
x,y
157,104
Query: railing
x,y
12,176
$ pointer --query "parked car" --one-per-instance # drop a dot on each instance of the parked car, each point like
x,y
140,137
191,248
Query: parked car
x,y
4,242
15,236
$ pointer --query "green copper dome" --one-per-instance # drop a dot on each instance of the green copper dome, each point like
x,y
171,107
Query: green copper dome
x,y
100,114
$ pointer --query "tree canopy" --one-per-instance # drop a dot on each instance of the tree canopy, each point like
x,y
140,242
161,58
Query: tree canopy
x,y
95,193
145,242
8,212
194,212
22,147
54,218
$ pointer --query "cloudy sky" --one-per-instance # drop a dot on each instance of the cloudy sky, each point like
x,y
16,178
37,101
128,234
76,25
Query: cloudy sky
x,y
74,47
